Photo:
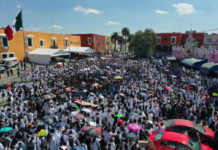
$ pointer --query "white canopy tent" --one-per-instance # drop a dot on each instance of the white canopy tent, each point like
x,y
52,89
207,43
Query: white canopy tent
x,y
83,50
43,55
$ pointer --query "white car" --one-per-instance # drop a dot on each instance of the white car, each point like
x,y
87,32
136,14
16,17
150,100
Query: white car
x,y
2,70
9,62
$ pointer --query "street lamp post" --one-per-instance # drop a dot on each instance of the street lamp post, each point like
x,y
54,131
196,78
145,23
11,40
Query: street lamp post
x,y
69,54
123,67
69,42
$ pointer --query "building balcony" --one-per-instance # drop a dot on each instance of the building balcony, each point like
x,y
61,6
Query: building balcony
x,y
54,46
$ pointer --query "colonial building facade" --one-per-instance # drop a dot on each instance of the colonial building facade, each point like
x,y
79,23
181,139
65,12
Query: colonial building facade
x,y
94,41
34,40
165,41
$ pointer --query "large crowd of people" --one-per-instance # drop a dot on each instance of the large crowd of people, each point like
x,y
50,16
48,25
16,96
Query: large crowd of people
x,y
63,107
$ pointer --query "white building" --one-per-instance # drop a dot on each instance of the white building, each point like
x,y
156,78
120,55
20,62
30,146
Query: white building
x,y
211,40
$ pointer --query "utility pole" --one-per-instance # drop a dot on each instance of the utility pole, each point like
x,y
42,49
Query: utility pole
x,y
69,49
25,64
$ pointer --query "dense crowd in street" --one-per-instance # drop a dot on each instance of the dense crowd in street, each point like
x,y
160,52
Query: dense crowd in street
x,y
88,104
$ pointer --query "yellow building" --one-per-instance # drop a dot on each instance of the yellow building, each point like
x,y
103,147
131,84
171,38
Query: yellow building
x,y
108,43
34,40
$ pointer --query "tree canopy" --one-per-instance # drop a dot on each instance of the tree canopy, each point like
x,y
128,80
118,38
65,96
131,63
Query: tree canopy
x,y
114,38
143,43
125,32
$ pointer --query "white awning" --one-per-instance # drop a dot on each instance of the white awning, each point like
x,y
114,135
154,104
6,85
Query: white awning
x,y
85,50
43,55
171,58
193,62
48,51
209,67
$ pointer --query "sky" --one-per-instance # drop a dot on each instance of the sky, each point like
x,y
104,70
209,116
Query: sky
x,y
108,16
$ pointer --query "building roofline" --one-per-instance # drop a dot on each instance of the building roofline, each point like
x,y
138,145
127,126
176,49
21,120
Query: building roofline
x,y
88,34
42,32
180,33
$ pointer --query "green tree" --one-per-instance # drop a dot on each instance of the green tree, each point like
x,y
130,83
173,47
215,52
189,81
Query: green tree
x,y
143,43
114,38
120,42
125,32
196,42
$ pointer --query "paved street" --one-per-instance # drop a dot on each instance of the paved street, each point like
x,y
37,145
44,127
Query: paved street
x,y
5,79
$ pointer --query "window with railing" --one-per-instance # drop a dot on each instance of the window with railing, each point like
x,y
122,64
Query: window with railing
x,y
173,40
5,43
66,42
41,42
30,42
90,41
54,43
158,40
209,40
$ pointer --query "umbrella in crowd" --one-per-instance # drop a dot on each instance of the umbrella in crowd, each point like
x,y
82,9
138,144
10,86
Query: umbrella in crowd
x,y
6,129
143,95
42,132
130,136
60,124
152,81
91,132
134,127
215,94
49,120
85,128
46,97
193,84
67,89
93,124
78,148
188,87
117,78
31,125
173,76
74,105
39,123
121,94
79,116
95,85
63,96
119,115
98,130
86,110
167,88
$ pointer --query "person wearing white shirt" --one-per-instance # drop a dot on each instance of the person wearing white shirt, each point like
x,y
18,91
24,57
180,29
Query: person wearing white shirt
x,y
19,145
113,145
150,116
1,147
37,143
53,144
22,124
108,135
95,145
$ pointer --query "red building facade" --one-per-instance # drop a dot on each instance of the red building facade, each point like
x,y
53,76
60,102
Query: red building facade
x,y
165,41
198,36
95,41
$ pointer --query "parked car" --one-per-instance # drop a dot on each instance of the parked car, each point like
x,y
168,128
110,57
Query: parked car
x,y
182,126
2,70
3,86
9,62
175,141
